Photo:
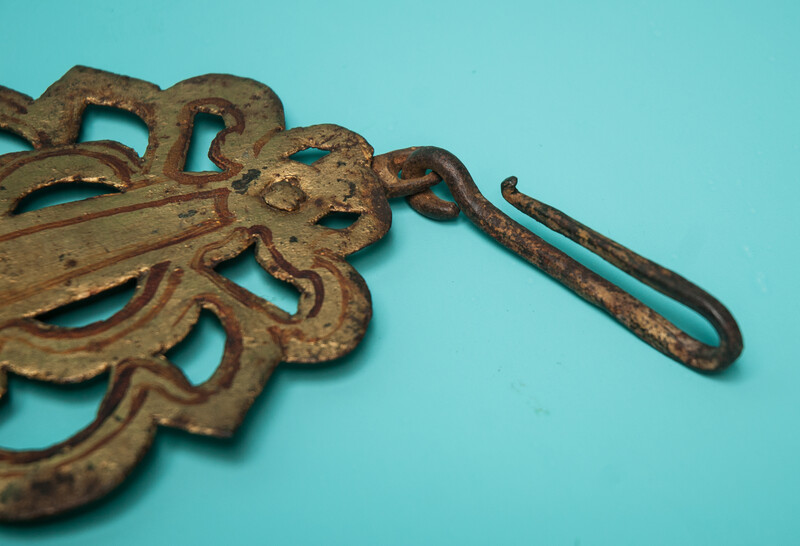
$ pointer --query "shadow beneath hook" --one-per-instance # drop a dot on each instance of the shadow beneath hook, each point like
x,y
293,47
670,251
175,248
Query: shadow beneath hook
x,y
629,281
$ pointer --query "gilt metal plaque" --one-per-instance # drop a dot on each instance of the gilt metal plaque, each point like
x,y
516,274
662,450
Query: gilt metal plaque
x,y
168,229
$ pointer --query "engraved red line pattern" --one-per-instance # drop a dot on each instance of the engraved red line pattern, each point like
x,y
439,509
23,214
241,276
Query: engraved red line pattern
x,y
120,389
225,217
122,170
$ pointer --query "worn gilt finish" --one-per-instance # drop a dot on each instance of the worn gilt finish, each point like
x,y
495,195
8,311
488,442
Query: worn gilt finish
x,y
168,229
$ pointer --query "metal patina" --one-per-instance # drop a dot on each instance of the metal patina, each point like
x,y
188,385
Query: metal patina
x,y
168,229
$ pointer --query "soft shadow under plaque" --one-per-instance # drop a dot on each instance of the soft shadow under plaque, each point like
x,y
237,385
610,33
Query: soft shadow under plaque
x,y
166,230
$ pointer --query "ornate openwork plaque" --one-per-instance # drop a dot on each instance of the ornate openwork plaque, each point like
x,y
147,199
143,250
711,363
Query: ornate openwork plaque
x,y
167,229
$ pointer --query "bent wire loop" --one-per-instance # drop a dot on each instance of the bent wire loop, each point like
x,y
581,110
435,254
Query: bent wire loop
x,y
643,321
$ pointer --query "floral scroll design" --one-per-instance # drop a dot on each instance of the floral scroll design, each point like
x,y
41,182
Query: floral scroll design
x,y
168,229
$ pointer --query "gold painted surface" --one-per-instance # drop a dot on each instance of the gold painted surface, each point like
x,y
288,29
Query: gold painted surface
x,y
168,229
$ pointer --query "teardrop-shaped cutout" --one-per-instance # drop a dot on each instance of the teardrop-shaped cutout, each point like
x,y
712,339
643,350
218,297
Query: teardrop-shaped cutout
x,y
108,123
60,193
338,220
309,155
205,129
245,271
93,309
199,354
11,142
36,414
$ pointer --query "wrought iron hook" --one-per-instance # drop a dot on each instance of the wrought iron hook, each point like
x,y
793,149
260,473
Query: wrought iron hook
x,y
643,321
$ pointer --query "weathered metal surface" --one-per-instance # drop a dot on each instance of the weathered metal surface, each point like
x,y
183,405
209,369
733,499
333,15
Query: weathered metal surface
x,y
640,319
168,229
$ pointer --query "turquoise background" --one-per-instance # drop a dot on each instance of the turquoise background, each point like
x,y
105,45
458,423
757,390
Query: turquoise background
x,y
487,404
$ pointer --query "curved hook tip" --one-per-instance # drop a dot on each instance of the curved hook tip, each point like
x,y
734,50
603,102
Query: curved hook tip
x,y
509,183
